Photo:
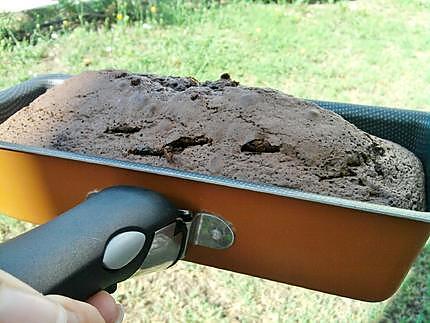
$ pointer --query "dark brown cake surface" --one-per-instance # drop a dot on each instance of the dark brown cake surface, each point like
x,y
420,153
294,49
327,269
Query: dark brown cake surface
x,y
220,128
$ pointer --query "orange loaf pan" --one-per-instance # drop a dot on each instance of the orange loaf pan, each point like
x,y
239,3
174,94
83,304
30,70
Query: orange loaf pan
x,y
354,249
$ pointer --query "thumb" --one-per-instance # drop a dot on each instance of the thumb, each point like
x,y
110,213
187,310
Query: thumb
x,y
21,303
20,306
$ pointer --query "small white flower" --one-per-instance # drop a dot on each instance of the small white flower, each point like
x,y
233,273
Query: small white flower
x,y
147,26
54,35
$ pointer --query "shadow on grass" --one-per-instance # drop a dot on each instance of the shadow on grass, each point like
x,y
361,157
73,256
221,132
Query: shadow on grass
x,y
412,302
42,22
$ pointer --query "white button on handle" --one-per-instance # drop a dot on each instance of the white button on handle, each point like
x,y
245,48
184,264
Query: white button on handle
x,y
123,248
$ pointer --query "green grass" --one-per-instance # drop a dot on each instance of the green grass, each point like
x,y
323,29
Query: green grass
x,y
370,52
412,302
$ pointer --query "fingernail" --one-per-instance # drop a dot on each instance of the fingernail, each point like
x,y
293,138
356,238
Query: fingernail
x,y
121,314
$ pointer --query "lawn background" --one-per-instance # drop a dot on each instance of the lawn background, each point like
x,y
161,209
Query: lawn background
x,y
369,52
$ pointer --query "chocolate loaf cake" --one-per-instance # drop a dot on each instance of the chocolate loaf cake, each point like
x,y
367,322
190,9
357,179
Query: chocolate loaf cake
x,y
220,128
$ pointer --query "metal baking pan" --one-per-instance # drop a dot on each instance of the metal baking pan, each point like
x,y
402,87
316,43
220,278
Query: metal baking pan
x,y
350,248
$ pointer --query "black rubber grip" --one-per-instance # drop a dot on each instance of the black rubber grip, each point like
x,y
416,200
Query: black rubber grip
x,y
65,255
15,98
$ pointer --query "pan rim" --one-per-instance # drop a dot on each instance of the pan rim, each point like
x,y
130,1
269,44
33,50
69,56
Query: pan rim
x,y
377,209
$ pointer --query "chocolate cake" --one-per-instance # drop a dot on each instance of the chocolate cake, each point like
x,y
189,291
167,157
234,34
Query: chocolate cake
x,y
220,128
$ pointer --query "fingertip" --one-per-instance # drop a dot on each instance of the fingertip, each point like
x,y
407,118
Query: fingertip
x,y
108,308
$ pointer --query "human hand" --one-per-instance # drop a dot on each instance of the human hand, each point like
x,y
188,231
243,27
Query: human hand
x,y
19,303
